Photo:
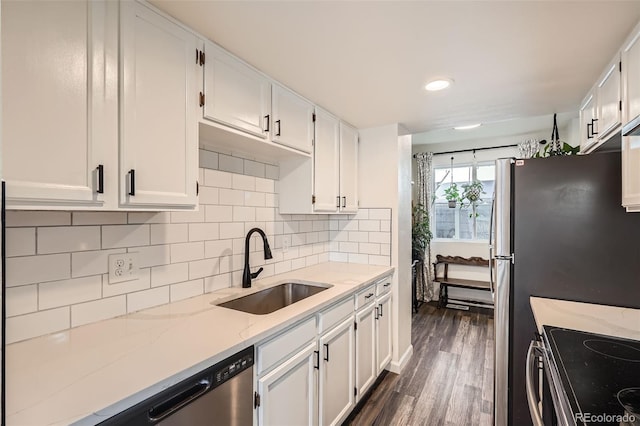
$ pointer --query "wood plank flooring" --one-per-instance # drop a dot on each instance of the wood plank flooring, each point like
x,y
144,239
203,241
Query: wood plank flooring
x,y
449,379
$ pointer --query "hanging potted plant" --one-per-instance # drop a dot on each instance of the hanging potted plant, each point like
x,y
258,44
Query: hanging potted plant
x,y
472,195
452,194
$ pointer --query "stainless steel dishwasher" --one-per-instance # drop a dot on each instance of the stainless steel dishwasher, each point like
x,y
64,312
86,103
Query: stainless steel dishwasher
x,y
220,395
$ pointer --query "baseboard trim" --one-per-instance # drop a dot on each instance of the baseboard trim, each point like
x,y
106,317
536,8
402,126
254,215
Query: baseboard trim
x,y
397,367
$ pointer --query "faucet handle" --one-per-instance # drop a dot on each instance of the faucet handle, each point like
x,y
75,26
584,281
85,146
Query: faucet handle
x,y
256,273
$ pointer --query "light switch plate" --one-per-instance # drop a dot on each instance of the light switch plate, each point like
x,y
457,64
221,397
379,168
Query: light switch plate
x,y
123,267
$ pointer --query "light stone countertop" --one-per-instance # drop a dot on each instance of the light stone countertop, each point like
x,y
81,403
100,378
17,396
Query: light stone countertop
x,y
89,373
600,319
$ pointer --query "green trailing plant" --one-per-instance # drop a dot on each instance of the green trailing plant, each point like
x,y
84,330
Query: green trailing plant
x,y
471,196
548,151
420,232
452,194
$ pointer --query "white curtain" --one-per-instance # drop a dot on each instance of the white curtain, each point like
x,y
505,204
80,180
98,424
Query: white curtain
x,y
424,274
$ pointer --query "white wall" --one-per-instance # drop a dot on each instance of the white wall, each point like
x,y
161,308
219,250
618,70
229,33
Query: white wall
x,y
384,181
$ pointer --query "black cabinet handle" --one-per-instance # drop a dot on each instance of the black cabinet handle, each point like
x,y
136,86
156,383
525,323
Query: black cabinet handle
x,y
368,296
386,285
589,127
326,351
344,202
266,118
338,201
380,310
317,366
100,169
593,126
132,182
279,128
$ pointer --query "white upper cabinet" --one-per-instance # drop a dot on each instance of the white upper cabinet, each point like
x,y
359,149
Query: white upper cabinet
x,y
159,101
608,101
587,119
235,94
326,162
348,169
631,118
59,102
292,121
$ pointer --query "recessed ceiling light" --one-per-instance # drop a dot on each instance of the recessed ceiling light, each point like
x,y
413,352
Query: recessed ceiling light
x,y
468,127
439,84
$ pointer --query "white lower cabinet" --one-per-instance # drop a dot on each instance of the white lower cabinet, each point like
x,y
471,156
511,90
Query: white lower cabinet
x,y
336,373
366,367
287,395
383,332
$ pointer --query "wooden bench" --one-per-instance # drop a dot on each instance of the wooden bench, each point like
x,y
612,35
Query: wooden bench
x,y
446,282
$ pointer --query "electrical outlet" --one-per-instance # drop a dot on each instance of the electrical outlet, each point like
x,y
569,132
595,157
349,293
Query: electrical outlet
x,y
286,243
123,267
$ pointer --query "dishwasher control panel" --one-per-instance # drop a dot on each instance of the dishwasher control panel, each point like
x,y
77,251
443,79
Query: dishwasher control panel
x,y
233,366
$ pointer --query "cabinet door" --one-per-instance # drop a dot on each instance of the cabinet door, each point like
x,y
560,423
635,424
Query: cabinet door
x,y
158,146
348,169
58,84
325,163
608,101
630,80
292,120
235,94
288,393
366,367
336,373
631,173
587,120
383,332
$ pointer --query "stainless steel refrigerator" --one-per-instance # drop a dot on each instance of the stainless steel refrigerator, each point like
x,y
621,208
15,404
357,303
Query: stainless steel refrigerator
x,y
558,231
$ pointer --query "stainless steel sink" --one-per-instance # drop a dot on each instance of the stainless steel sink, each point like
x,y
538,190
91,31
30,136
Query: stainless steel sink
x,y
274,298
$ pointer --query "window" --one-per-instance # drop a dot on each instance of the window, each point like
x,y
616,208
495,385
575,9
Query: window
x,y
470,222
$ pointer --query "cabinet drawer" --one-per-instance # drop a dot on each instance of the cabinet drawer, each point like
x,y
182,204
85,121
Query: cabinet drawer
x,y
365,297
271,352
383,286
335,314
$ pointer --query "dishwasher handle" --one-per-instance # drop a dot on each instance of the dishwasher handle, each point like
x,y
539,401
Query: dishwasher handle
x,y
176,402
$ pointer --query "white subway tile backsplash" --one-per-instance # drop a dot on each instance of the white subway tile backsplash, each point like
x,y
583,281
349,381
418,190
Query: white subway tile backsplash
x,y
348,225
20,241
188,217
362,214
147,299
60,239
253,168
380,214
265,185
149,217
298,263
99,218
37,218
87,263
203,268
208,196
336,256
380,260
243,182
254,199
217,178
314,259
231,230
22,300
385,225
208,160
68,292
116,236
37,324
143,282
218,248
231,197
217,282
153,255
282,267
272,172
385,249
358,236
187,289
270,200
185,252
266,214
169,274
230,164
203,231
369,225
36,269
347,247
219,214
369,248
169,234
98,310
244,214
358,258
379,237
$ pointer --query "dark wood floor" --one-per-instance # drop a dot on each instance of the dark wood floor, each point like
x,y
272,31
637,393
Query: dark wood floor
x,y
449,379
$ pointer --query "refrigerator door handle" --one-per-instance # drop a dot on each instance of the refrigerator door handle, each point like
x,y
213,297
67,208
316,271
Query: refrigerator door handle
x,y
491,285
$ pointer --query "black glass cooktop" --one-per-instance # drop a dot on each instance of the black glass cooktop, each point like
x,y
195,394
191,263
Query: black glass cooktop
x,y
599,373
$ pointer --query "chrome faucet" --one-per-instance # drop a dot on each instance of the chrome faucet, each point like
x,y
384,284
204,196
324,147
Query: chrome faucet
x,y
247,275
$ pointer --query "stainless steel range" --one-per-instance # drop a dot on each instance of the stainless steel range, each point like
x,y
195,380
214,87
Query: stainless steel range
x,y
593,379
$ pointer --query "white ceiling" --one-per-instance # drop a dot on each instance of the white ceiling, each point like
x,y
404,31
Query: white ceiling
x,y
367,61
